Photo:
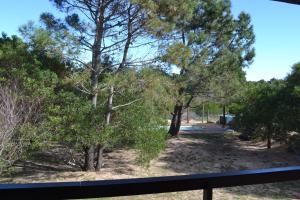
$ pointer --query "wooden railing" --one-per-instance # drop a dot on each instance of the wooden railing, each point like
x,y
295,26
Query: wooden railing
x,y
138,186
290,1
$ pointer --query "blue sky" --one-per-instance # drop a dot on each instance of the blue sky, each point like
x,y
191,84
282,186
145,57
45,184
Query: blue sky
x,y
276,26
277,30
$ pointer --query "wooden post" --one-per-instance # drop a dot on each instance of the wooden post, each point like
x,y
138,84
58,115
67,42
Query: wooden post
x,y
207,194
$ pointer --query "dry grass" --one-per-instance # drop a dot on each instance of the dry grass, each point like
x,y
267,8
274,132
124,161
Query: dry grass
x,y
188,154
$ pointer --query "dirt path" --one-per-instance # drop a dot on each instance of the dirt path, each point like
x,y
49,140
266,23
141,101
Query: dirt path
x,y
199,128
188,154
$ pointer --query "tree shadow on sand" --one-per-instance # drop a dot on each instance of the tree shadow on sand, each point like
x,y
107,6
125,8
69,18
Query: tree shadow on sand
x,y
60,163
43,164
206,153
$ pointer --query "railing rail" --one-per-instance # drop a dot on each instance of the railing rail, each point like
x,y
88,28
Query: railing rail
x,y
290,1
138,186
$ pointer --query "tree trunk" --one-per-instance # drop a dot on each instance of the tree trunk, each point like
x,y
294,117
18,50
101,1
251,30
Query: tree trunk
x,y
178,122
224,116
202,113
89,158
187,115
96,56
269,135
172,129
95,72
109,105
269,141
128,40
100,162
176,115
207,117
100,148
269,132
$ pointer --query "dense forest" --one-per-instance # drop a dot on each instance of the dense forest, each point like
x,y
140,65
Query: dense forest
x,y
78,79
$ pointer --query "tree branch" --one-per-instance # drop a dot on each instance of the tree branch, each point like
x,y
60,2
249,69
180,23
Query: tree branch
x,y
127,104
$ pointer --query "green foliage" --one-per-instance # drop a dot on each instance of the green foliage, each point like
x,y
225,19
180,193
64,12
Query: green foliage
x,y
270,108
213,108
257,112
72,119
15,57
70,96
149,144
163,16
139,123
177,54
55,50
32,88
211,49
290,101
294,144
21,68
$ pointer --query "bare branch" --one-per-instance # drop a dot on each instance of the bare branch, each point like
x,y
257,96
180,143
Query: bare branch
x,y
126,104
13,114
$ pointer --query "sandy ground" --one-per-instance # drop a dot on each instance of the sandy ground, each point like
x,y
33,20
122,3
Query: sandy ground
x,y
187,154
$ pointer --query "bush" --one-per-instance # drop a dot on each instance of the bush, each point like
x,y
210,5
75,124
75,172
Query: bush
x,y
294,144
150,144
245,136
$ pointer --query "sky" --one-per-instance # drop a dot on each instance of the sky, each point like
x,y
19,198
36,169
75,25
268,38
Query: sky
x,y
276,26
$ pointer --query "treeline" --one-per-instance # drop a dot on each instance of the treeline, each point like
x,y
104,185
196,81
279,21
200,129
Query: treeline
x,y
270,110
79,80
